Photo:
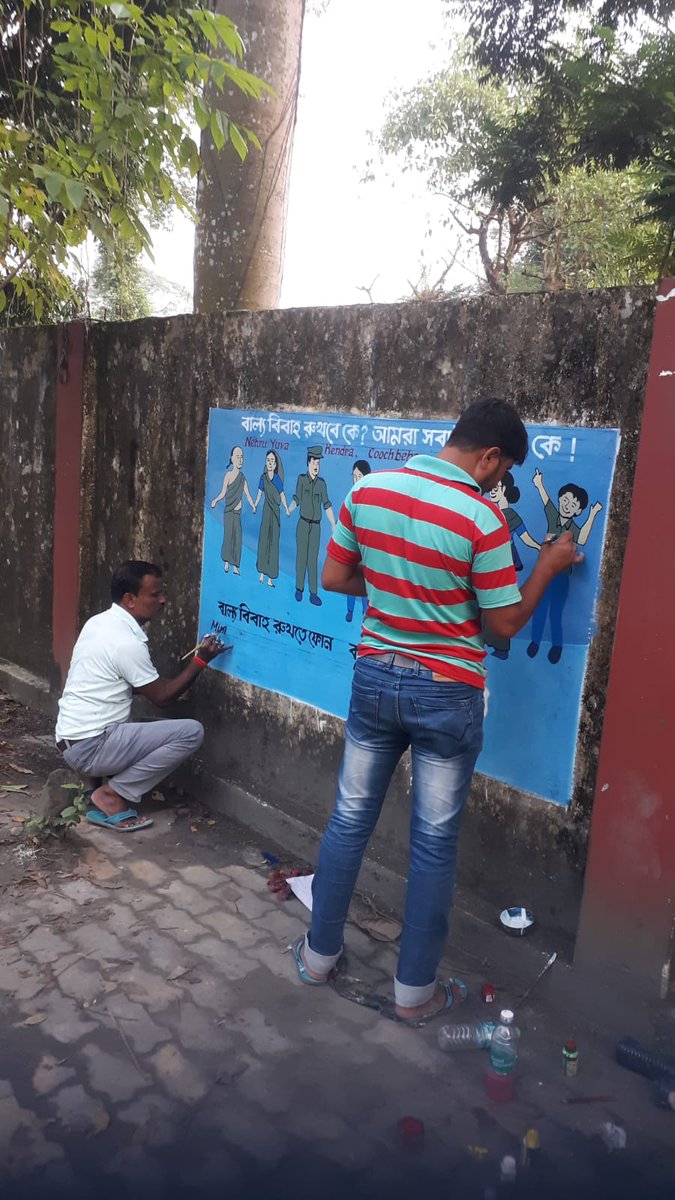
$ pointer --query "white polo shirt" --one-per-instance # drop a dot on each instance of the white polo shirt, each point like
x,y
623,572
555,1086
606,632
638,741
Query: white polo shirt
x,y
110,659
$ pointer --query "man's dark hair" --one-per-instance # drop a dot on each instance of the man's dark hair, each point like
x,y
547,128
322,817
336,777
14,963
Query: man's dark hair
x,y
128,577
579,493
491,423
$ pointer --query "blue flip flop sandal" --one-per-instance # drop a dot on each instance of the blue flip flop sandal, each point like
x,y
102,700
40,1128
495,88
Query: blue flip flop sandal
x,y
302,969
450,1002
96,817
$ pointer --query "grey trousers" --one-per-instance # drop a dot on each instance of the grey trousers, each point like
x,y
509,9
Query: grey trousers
x,y
136,756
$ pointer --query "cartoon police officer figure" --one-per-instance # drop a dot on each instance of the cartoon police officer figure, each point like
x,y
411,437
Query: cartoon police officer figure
x,y
311,498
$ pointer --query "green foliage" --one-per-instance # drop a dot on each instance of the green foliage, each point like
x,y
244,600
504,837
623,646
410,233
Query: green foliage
x,y
122,288
545,209
475,137
603,69
531,40
94,132
118,292
596,232
38,829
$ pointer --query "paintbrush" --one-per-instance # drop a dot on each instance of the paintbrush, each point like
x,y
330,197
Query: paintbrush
x,y
549,963
194,650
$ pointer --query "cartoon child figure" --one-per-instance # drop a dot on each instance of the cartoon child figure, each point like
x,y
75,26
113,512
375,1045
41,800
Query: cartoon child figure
x,y
572,501
311,498
271,486
504,495
234,487
361,468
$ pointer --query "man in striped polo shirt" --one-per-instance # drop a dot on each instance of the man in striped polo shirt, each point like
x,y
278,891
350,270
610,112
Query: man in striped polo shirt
x,y
433,557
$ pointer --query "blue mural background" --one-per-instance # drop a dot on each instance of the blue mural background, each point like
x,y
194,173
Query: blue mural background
x,y
307,651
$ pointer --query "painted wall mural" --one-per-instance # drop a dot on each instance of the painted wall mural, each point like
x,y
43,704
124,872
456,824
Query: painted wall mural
x,y
274,487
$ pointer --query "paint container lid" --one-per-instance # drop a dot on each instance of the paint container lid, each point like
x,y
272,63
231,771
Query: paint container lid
x,y
516,921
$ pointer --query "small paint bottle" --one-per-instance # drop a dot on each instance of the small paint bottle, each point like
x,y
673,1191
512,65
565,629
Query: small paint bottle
x,y
529,1148
570,1058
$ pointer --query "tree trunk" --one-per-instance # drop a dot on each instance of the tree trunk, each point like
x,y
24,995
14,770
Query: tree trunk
x,y
239,241
491,268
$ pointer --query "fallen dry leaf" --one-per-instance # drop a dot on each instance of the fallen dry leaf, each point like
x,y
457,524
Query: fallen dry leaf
x,y
18,818
210,822
36,1019
193,829
380,928
40,880
109,987
178,973
158,796
21,770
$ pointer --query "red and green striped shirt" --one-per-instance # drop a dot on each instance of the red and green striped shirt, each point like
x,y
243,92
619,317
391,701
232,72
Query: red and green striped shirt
x,y
434,552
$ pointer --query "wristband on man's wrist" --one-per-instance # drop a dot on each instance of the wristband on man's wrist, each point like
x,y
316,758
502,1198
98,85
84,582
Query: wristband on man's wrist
x,y
200,661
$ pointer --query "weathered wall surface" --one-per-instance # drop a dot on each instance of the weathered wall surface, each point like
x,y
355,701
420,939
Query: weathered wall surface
x,y
27,368
568,358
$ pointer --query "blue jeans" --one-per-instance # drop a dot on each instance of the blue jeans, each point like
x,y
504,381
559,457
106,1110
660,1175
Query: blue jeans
x,y
393,707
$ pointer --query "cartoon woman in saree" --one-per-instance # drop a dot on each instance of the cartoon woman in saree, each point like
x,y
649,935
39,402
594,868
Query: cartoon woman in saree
x,y
271,486
234,487
361,468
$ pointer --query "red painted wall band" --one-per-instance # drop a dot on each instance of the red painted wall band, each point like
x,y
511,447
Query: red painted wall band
x,y
629,893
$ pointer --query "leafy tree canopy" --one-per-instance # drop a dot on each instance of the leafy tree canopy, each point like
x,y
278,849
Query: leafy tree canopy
x,y
96,101
118,291
603,74
594,232
526,40
506,158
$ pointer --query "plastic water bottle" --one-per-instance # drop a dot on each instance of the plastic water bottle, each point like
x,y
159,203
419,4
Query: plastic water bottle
x,y
466,1037
504,1044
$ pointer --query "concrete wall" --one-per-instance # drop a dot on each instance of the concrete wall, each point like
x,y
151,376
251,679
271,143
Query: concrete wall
x,y
148,388
27,381
567,358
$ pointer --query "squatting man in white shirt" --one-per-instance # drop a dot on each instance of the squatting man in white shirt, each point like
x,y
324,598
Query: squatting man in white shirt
x,y
110,663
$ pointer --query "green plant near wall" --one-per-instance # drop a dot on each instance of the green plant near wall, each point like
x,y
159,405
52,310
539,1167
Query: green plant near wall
x,y
38,829
97,103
